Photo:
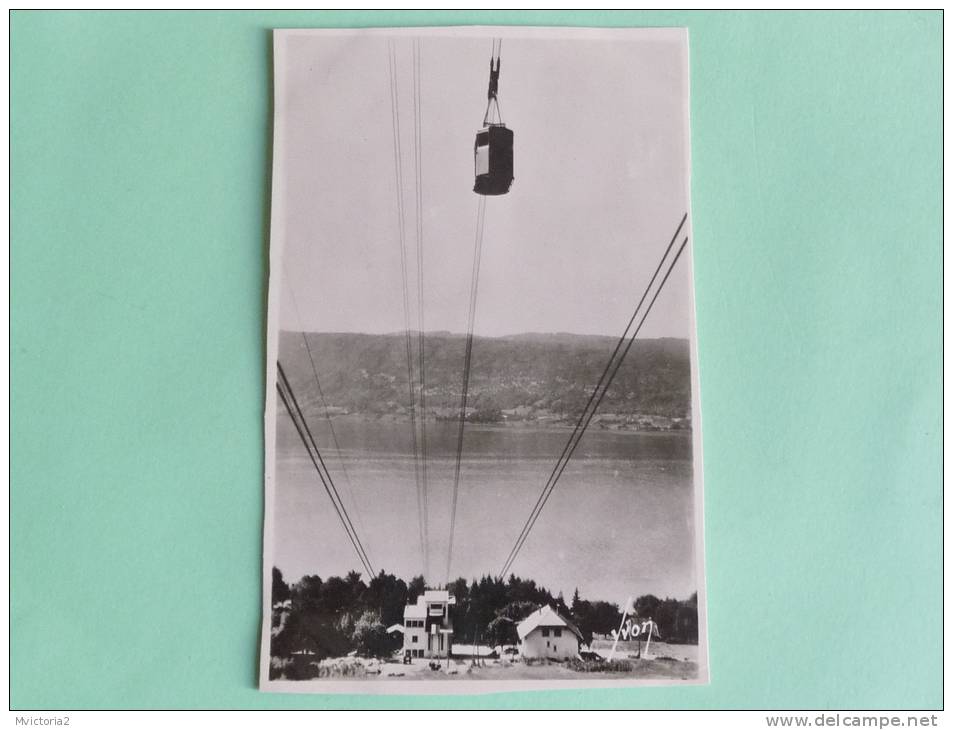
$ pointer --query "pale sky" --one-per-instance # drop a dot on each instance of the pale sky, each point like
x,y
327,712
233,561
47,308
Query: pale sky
x,y
601,168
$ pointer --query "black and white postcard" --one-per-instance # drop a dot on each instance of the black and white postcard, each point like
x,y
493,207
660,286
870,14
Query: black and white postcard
x,y
482,434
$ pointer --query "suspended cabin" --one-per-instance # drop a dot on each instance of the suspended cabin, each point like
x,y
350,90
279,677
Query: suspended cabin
x,y
493,149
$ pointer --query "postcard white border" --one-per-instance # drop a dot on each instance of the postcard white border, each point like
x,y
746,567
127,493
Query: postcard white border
x,y
277,238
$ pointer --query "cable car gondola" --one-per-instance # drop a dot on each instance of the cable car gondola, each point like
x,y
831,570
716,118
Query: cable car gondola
x,y
493,148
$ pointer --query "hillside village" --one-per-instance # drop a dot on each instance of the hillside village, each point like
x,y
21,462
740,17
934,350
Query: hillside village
x,y
532,379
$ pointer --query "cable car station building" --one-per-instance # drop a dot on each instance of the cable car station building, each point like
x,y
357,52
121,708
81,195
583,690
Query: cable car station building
x,y
427,625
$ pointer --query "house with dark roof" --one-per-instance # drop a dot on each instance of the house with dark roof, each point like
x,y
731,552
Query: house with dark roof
x,y
546,634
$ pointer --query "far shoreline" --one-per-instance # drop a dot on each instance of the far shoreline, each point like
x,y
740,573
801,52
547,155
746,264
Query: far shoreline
x,y
566,423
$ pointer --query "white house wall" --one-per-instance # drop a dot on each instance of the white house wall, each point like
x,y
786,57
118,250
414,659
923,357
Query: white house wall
x,y
565,646
420,634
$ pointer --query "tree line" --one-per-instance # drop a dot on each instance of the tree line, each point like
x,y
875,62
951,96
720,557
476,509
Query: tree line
x,y
331,617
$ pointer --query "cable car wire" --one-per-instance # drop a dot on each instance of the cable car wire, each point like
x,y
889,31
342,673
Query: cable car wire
x,y
421,364
288,408
464,391
398,174
595,390
294,410
324,404
588,414
521,541
492,102
561,468
286,383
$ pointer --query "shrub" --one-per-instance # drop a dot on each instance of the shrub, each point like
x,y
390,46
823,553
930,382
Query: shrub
x,y
588,665
341,669
370,637
278,668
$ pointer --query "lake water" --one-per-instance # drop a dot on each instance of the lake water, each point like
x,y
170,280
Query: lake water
x,y
620,521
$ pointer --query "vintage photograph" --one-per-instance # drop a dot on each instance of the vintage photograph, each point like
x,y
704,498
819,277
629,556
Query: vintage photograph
x,y
482,429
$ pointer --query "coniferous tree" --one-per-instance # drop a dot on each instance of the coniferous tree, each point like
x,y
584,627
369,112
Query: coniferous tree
x,y
331,617
280,591
416,588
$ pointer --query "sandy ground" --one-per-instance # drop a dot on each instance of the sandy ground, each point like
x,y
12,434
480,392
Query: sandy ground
x,y
657,649
665,661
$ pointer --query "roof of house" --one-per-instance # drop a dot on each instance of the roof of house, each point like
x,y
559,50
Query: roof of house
x,y
545,617
394,628
419,609
438,597
415,610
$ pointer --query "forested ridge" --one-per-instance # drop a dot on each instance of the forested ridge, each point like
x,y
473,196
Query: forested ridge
x,y
542,377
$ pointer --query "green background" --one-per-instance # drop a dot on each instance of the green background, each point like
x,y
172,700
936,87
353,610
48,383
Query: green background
x,y
140,188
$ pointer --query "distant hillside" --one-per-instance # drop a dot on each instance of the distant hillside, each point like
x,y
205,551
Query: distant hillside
x,y
534,377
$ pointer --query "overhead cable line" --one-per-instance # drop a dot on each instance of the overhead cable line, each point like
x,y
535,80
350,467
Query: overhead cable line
x,y
324,404
493,103
467,359
421,364
578,435
301,426
398,177
595,390
484,185
596,397
320,466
